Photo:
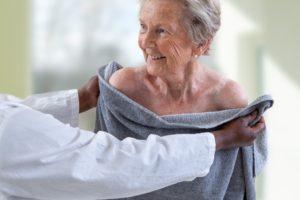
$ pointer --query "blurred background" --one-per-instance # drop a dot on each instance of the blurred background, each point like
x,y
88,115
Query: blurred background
x,y
48,45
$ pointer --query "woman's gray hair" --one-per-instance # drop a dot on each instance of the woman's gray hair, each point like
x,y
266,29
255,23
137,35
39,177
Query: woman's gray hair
x,y
201,19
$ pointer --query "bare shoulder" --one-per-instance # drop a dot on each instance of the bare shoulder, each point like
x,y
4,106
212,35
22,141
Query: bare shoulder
x,y
124,80
231,95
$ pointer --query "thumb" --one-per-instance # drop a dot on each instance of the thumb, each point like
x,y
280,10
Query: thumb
x,y
252,117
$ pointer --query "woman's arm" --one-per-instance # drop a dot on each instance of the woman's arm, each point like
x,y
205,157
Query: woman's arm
x,y
231,95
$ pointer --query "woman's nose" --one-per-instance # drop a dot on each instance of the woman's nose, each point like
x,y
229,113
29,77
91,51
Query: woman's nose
x,y
147,40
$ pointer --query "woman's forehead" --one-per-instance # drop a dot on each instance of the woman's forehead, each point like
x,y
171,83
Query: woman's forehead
x,y
161,9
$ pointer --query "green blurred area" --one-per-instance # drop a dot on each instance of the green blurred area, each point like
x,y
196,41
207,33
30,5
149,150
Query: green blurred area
x,y
14,47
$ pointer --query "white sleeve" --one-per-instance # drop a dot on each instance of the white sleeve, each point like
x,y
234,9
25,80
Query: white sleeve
x,y
63,105
42,158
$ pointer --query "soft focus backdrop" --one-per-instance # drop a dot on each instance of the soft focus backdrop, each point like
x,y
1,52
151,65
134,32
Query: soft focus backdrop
x,y
48,45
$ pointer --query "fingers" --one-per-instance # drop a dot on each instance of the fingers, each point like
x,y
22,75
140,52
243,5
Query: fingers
x,y
248,119
260,124
253,118
253,115
94,77
262,120
256,128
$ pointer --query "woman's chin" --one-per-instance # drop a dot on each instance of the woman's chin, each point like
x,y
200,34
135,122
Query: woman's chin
x,y
154,70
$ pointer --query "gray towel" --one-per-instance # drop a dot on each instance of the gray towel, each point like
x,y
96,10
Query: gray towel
x,y
232,173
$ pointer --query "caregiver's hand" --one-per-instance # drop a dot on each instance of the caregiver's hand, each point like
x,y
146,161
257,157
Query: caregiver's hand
x,y
88,95
238,133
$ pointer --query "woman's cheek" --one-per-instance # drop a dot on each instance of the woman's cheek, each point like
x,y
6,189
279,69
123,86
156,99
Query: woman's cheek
x,y
143,51
176,53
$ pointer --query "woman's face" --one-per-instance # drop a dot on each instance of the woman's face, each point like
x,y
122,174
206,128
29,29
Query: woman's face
x,y
166,45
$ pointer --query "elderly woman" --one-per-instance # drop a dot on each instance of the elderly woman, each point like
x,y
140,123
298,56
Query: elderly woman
x,y
173,35
174,91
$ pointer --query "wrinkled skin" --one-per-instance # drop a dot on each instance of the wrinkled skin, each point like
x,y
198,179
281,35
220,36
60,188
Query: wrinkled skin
x,y
165,44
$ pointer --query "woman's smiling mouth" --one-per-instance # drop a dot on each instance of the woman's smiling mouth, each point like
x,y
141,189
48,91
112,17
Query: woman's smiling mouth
x,y
157,57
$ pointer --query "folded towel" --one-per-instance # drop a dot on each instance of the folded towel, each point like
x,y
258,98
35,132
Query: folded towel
x,y
231,175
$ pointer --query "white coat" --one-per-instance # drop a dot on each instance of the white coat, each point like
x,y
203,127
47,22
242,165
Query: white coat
x,y
44,156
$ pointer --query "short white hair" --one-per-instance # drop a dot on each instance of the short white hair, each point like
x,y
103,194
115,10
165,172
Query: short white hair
x,y
202,19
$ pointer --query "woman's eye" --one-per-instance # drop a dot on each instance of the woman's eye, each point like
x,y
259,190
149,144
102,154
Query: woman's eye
x,y
142,28
161,30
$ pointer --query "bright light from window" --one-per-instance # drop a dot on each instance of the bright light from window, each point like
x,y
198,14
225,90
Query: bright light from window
x,y
234,25
282,172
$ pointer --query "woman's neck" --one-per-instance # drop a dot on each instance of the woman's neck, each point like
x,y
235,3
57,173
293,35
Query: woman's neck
x,y
178,86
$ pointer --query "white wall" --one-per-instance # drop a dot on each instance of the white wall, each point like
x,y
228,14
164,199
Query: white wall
x,y
281,77
269,63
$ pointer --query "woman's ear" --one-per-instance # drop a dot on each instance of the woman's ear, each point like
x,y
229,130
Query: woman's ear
x,y
201,49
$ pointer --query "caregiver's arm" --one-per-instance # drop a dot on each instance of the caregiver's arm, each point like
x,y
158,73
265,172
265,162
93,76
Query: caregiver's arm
x,y
42,158
63,105
88,94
